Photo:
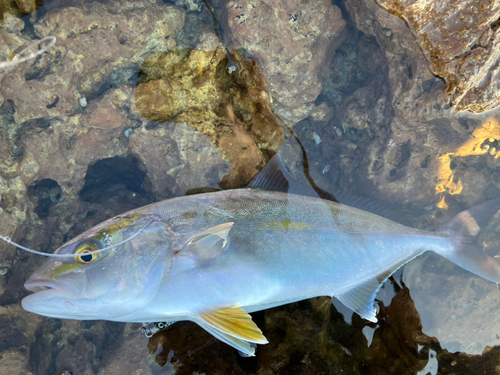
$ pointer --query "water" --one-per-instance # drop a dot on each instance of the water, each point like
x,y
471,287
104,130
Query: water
x,y
92,128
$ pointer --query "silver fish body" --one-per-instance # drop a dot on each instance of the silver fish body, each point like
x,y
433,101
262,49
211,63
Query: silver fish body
x,y
281,248
212,258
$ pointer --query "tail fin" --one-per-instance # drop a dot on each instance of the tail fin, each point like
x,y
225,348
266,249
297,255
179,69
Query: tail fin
x,y
462,229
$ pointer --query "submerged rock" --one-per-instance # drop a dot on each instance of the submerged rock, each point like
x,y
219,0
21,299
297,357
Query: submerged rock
x,y
292,41
231,109
461,42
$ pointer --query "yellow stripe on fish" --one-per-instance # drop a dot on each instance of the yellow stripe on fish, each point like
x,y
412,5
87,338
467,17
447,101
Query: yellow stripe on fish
x,y
113,228
278,225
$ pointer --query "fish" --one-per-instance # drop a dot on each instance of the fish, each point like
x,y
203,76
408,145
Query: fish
x,y
214,258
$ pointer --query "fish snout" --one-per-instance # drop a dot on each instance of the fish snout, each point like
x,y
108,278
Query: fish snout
x,y
49,298
37,284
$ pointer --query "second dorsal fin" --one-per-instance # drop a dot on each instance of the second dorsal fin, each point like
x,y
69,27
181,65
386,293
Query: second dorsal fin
x,y
275,176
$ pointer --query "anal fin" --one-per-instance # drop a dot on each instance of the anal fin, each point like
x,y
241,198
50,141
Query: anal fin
x,y
361,299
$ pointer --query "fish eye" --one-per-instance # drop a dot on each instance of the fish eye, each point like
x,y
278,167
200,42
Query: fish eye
x,y
86,257
85,250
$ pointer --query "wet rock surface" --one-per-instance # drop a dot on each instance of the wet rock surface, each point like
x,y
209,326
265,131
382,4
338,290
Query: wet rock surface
x,y
134,103
292,41
460,39
232,109
10,11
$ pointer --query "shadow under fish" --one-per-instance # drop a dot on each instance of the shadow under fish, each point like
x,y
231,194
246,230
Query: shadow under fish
x,y
213,258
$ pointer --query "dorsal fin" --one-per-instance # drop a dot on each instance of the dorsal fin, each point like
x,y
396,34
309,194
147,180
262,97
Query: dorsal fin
x,y
275,176
272,176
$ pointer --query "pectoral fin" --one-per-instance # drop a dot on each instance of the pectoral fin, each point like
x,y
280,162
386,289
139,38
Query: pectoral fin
x,y
210,243
235,327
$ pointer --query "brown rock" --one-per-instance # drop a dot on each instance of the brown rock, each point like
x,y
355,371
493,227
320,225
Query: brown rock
x,y
14,363
28,6
195,87
461,42
17,9
91,53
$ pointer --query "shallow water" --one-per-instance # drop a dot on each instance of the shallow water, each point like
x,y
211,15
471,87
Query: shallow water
x,y
135,103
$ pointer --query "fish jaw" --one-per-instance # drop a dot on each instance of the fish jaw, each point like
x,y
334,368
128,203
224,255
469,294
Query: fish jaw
x,y
65,298
38,284
61,297
50,298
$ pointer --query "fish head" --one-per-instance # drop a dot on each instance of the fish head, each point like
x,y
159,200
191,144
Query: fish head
x,y
105,285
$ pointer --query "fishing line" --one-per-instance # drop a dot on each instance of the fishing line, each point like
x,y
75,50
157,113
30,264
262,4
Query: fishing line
x,y
8,240
17,59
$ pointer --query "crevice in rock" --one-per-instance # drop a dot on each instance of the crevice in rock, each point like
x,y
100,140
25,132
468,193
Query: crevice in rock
x,y
114,79
117,177
48,193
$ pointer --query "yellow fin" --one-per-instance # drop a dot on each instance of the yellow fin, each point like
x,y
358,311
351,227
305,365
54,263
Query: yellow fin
x,y
236,322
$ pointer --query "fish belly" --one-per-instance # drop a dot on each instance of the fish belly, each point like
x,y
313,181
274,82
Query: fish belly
x,y
283,271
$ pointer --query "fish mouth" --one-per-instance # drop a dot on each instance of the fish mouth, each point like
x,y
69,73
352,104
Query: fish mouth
x,y
49,298
40,285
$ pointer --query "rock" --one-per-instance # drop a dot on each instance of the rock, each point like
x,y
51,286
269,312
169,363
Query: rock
x,y
14,363
12,24
78,57
392,124
16,9
178,159
415,92
456,307
322,113
28,6
461,42
292,41
133,346
232,110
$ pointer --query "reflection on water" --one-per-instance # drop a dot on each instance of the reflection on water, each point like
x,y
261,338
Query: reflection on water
x,y
469,302
135,103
